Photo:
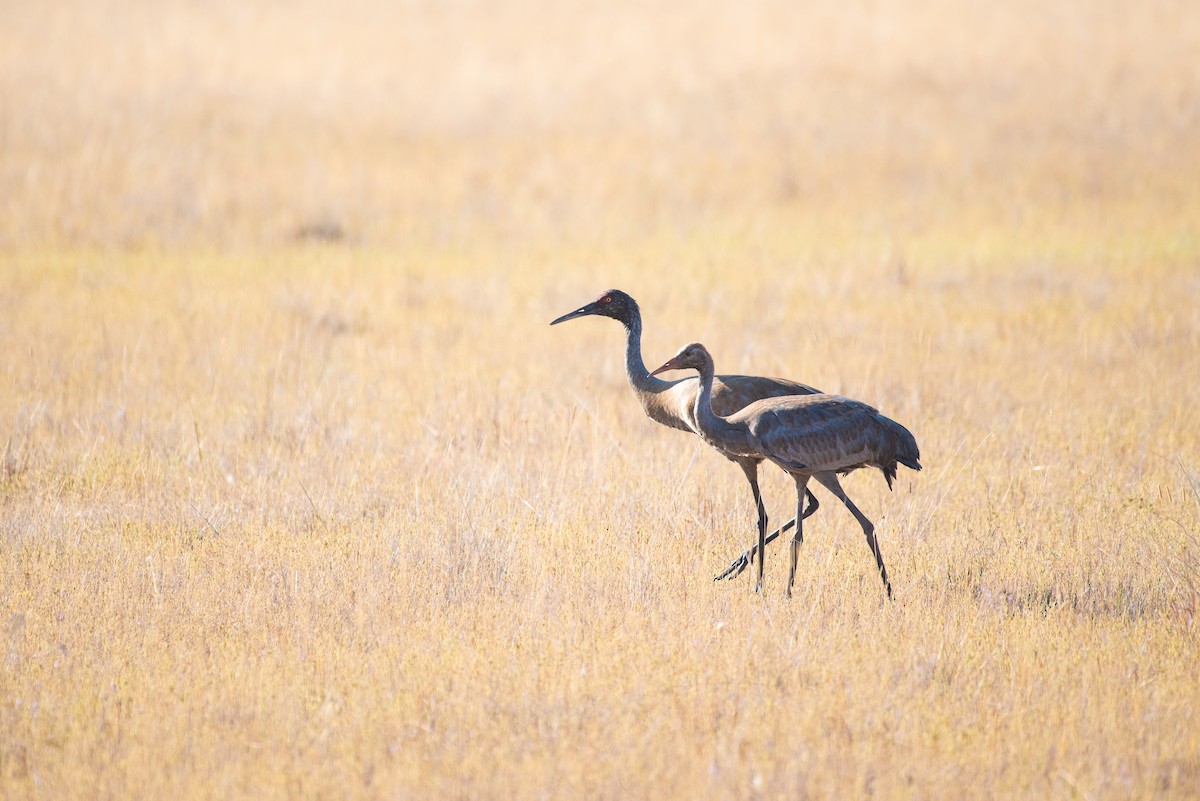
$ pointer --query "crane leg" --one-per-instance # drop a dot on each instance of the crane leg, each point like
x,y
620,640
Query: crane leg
x,y
762,533
737,566
750,468
830,480
798,537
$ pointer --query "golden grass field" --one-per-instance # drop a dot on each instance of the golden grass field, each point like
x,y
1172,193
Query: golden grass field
x,y
302,498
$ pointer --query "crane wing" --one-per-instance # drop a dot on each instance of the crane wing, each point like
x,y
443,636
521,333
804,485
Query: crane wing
x,y
814,433
675,406
731,393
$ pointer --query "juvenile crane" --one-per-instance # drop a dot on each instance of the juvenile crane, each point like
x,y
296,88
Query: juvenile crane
x,y
673,403
809,436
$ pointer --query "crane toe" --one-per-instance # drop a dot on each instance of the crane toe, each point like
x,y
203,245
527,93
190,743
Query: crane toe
x,y
735,568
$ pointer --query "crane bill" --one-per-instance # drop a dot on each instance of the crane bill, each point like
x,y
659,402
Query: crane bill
x,y
582,311
669,365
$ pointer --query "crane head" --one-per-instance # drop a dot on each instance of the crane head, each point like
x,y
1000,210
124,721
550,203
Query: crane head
x,y
614,303
690,357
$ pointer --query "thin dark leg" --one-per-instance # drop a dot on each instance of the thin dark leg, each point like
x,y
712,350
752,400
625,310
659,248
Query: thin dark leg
x,y
830,480
812,504
750,468
798,537
762,538
762,516
742,562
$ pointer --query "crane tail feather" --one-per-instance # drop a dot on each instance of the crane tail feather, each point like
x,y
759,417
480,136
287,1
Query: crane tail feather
x,y
904,450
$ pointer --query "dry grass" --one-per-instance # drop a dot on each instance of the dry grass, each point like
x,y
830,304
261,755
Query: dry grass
x,y
300,496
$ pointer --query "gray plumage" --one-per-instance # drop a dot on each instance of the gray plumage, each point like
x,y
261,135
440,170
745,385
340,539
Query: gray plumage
x,y
673,403
810,436
822,433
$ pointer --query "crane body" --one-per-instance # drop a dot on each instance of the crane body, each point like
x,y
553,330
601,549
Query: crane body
x,y
808,436
673,403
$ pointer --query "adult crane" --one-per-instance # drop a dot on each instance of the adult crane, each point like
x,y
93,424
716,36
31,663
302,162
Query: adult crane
x,y
673,403
808,436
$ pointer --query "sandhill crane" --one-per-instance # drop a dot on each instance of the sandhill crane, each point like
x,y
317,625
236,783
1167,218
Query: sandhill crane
x,y
808,436
673,403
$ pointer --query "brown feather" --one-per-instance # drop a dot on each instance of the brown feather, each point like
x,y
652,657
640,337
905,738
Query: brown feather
x,y
675,406
809,436
824,433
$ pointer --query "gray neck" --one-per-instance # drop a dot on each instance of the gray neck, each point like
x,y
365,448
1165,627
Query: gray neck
x,y
712,425
639,377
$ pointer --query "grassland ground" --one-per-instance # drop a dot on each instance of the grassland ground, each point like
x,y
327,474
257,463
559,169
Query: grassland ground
x,y
301,497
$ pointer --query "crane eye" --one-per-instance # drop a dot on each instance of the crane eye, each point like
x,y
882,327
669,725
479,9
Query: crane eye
x,y
606,299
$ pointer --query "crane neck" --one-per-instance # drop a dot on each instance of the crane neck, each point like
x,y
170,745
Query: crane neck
x,y
712,426
639,377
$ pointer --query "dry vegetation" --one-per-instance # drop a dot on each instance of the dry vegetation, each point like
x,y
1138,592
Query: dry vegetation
x,y
300,496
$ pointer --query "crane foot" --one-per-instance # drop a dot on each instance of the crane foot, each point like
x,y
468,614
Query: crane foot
x,y
735,568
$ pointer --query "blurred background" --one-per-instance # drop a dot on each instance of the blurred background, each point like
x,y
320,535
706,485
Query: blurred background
x,y
301,497
226,123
